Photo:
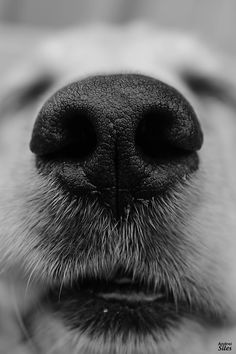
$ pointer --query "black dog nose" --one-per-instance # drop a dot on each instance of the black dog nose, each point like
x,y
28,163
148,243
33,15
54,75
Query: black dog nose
x,y
118,138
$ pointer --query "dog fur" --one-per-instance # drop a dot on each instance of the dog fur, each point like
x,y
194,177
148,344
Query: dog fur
x,y
200,264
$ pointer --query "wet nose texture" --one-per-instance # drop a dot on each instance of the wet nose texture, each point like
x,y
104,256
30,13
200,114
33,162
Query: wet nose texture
x,y
117,138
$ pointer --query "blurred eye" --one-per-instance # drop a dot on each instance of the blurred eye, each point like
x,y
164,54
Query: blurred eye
x,y
207,86
37,88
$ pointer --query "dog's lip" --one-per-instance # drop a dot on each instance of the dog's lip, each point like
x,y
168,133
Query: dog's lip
x,y
123,305
130,297
124,290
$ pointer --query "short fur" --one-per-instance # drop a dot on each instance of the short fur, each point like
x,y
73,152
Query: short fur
x,y
41,228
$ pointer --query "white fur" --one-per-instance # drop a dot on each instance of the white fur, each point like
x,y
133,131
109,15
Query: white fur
x,y
211,223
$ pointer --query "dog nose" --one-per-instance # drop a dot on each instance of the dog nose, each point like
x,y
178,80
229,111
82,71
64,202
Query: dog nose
x,y
117,138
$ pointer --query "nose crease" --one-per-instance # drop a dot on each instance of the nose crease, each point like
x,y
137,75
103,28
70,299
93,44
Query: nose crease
x,y
130,136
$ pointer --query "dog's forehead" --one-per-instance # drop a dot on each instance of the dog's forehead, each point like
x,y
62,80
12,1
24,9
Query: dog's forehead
x,y
174,58
134,48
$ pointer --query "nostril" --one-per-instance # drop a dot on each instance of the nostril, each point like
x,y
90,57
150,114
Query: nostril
x,y
165,133
151,134
81,140
70,134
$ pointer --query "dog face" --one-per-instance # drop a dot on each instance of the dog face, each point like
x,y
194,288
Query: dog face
x,y
120,215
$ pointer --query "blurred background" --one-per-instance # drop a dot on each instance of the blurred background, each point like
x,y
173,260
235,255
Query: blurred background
x,y
23,21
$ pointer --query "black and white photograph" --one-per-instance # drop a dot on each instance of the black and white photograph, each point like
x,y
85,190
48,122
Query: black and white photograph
x,y
117,177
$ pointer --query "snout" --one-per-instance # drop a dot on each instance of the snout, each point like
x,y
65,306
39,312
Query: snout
x,y
117,138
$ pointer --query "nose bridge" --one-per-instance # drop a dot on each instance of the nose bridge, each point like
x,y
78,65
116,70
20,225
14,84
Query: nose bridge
x,y
115,168
114,115
117,104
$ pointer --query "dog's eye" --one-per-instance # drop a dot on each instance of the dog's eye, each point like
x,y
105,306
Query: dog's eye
x,y
35,90
202,85
24,94
219,88
208,86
